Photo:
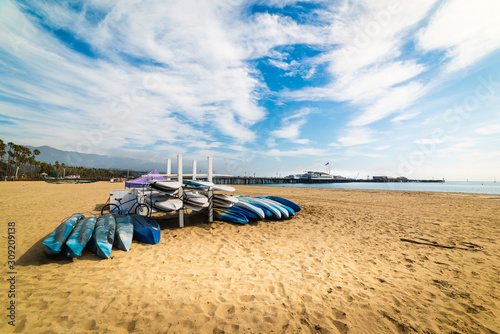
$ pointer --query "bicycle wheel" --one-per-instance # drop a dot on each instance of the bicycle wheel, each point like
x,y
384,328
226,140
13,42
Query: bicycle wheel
x,y
110,208
142,209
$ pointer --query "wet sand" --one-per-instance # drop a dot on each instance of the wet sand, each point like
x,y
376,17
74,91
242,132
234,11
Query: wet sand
x,y
339,266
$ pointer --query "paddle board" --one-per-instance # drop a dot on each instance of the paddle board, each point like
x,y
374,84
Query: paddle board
x,y
195,198
276,213
198,184
226,198
54,241
230,217
165,185
290,204
249,206
164,203
221,187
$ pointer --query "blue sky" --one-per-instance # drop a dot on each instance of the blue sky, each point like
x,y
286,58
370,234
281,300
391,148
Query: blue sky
x,y
273,87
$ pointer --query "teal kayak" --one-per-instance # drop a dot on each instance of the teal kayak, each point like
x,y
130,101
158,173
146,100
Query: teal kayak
x,y
103,237
124,232
54,242
80,237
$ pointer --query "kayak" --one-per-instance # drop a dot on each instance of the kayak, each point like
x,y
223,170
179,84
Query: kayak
x,y
80,237
146,229
124,232
101,242
54,241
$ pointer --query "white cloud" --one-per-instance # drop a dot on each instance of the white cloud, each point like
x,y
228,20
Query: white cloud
x,y
405,116
291,124
355,136
465,30
491,129
294,153
145,103
395,100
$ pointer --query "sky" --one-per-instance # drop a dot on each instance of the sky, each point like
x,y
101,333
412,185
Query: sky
x,y
267,88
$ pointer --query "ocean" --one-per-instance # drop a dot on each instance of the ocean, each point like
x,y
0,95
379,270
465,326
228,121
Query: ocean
x,y
472,187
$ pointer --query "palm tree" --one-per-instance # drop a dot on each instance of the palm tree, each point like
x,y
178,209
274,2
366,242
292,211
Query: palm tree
x,y
3,146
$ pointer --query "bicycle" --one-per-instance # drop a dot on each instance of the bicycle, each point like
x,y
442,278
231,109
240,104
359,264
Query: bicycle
x,y
137,208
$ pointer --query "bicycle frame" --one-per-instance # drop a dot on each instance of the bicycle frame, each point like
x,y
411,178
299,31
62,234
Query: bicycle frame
x,y
121,210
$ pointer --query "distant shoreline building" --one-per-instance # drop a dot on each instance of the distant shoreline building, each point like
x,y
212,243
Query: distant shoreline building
x,y
310,175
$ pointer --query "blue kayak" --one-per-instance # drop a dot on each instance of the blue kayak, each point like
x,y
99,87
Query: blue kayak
x,y
146,229
124,232
54,242
80,237
103,237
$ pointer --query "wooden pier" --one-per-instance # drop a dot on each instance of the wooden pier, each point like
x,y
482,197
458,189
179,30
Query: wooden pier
x,y
275,180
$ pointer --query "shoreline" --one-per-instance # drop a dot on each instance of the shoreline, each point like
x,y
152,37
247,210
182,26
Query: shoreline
x,y
337,267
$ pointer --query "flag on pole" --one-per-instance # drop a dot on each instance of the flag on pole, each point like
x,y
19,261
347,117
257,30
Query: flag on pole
x,y
327,164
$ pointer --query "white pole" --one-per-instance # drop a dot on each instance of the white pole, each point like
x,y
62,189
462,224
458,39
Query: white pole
x,y
179,178
194,169
169,168
210,172
210,192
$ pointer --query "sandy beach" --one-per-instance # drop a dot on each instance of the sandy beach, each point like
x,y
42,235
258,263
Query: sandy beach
x,y
339,266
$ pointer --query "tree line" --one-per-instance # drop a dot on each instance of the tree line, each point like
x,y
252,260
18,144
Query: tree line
x,y
19,162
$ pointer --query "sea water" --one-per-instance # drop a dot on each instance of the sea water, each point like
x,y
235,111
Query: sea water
x,y
472,187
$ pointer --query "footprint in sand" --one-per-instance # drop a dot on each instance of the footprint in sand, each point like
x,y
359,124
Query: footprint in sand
x,y
225,310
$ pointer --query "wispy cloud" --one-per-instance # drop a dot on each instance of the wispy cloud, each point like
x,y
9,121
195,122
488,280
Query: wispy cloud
x,y
355,136
290,126
465,30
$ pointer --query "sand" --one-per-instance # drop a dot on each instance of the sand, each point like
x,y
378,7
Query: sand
x,y
339,266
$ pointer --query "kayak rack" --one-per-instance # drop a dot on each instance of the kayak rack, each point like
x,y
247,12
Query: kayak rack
x,y
180,176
